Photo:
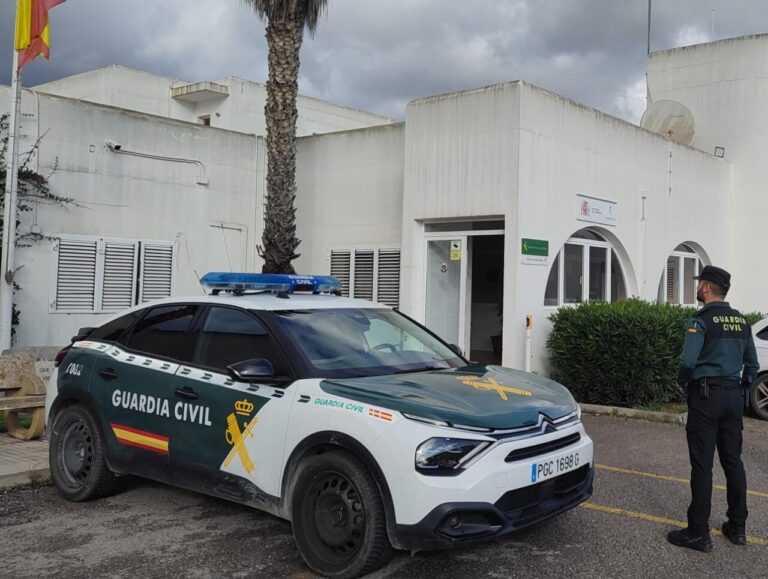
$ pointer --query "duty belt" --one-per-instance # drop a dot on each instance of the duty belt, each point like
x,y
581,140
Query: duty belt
x,y
718,383
708,383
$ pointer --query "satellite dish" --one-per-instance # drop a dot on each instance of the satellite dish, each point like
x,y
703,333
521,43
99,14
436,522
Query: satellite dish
x,y
670,119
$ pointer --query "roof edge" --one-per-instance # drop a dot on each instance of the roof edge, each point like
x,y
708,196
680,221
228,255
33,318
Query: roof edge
x,y
729,40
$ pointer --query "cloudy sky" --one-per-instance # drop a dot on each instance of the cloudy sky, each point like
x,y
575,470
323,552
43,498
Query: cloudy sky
x,y
379,54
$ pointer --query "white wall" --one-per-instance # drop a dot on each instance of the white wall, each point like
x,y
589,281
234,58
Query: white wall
x,y
568,149
242,110
117,86
524,154
127,196
725,85
350,191
460,162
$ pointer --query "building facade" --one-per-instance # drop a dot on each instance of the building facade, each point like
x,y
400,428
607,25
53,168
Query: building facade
x,y
516,201
480,214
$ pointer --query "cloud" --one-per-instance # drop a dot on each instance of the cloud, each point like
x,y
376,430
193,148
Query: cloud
x,y
630,103
379,54
689,35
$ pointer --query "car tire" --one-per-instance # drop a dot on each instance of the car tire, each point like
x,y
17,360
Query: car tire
x,y
338,516
758,397
77,456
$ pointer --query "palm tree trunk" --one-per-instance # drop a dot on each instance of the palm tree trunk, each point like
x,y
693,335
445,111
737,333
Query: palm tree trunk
x,y
279,239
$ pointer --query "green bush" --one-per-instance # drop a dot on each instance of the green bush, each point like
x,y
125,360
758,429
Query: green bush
x,y
754,317
621,354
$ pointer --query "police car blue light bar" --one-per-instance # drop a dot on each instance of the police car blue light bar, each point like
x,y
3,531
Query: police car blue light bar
x,y
269,282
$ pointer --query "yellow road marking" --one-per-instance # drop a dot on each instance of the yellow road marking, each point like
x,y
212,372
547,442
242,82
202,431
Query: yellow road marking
x,y
654,519
668,478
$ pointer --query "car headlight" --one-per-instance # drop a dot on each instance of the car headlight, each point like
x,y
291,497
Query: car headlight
x,y
578,411
446,456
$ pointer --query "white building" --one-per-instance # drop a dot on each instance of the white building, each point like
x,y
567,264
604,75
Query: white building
x,y
488,170
231,103
482,208
490,174
163,193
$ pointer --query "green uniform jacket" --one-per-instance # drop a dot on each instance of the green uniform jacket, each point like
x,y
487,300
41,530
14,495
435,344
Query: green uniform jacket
x,y
718,343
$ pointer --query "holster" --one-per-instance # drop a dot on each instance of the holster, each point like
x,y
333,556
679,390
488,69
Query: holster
x,y
746,387
704,388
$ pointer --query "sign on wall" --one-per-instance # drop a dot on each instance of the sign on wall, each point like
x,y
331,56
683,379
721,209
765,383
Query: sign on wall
x,y
456,250
535,251
596,210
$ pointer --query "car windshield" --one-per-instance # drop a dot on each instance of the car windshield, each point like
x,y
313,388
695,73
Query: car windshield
x,y
364,342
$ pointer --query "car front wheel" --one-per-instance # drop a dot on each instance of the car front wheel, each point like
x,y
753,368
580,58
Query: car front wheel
x,y
77,456
338,516
758,397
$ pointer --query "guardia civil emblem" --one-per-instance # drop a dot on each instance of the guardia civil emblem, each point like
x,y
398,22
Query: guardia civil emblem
x,y
237,437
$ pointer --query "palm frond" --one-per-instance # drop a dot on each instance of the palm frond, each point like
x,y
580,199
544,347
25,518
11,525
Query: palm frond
x,y
308,11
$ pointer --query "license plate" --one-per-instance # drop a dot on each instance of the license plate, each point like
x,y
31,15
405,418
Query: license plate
x,y
550,468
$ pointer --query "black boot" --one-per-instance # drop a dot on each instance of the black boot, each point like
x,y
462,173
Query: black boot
x,y
685,538
734,533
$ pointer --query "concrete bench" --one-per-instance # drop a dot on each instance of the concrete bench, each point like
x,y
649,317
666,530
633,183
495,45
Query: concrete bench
x,y
24,374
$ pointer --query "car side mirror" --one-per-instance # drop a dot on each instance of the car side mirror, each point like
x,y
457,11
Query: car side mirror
x,y
456,350
252,370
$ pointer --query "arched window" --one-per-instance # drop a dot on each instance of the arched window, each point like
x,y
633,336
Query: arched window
x,y
677,285
586,269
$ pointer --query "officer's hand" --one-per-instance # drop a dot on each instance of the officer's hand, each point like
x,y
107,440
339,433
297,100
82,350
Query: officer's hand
x,y
680,388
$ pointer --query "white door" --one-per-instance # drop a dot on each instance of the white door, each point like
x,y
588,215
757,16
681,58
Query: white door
x,y
447,289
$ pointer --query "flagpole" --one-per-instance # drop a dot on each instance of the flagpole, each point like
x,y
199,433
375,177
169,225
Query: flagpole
x,y
648,56
9,211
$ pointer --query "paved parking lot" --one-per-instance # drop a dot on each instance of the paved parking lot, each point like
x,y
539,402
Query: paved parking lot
x,y
641,492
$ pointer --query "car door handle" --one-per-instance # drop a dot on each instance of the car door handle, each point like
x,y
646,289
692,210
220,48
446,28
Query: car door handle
x,y
186,392
108,374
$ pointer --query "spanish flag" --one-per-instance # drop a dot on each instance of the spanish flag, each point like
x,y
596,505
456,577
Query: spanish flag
x,y
32,33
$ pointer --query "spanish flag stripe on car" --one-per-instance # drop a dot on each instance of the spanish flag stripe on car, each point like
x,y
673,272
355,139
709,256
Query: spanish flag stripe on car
x,y
141,439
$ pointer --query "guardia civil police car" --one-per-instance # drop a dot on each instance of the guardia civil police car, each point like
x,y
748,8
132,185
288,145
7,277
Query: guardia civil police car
x,y
347,418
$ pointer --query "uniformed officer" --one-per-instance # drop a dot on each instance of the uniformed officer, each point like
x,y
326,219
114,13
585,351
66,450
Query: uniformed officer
x,y
718,344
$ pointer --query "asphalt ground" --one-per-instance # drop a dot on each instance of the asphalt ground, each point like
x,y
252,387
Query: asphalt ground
x,y
641,492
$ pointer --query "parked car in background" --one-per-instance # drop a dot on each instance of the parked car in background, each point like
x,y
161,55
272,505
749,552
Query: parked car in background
x,y
759,396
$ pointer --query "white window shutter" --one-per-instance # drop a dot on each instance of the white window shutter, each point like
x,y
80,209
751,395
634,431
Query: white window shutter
x,y
363,268
157,264
119,286
341,262
388,283
76,275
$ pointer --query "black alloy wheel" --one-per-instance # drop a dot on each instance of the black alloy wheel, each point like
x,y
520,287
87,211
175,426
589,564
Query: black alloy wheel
x,y
76,453
77,456
338,516
758,397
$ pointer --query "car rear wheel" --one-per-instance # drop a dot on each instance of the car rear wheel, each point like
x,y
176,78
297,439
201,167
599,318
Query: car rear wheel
x,y
77,456
758,397
338,516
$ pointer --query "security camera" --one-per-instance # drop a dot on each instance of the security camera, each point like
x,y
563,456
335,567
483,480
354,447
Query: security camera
x,y
117,147
112,145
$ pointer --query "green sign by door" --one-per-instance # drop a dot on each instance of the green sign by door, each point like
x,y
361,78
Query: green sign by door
x,y
535,251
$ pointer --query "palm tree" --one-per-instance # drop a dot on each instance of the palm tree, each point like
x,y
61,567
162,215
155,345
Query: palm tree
x,y
286,20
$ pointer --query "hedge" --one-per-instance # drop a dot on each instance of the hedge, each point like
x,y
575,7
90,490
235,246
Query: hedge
x,y
620,354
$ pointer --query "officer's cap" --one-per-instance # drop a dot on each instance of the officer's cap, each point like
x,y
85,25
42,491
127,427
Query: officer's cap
x,y
715,275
